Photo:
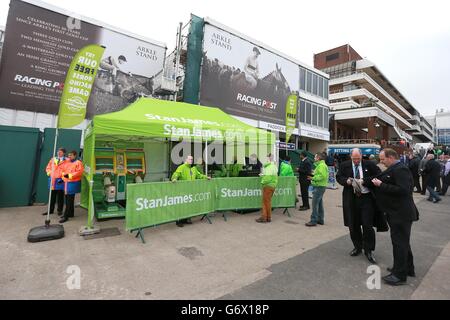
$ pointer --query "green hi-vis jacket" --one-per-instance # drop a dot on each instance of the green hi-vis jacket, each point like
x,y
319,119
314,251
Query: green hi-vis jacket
x,y
187,172
269,175
320,178
286,170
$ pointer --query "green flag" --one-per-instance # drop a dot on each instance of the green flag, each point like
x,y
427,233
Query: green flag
x,y
78,85
291,115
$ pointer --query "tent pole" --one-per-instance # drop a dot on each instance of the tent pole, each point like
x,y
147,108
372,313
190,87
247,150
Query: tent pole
x,y
47,220
206,156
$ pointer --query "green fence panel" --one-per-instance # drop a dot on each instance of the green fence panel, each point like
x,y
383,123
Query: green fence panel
x,y
17,165
246,193
156,203
151,204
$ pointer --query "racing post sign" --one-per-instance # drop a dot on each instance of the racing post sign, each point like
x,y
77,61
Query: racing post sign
x,y
78,85
291,115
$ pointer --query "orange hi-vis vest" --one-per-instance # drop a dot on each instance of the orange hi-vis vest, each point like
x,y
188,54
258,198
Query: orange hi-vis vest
x,y
54,170
74,170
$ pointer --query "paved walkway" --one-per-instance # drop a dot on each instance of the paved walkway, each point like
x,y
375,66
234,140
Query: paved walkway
x,y
238,259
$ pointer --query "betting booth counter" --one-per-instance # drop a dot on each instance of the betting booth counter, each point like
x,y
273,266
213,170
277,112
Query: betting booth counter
x,y
127,155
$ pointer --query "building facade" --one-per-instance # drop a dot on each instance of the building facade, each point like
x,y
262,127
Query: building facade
x,y
365,107
441,121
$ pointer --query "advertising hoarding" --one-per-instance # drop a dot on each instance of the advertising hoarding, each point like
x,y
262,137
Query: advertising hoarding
x,y
244,79
39,45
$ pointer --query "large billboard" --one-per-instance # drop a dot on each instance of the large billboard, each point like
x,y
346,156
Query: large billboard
x,y
39,45
245,79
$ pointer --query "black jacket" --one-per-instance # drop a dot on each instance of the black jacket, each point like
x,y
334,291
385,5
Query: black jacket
x,y
370,170
304,169
433,171
414,166
395,194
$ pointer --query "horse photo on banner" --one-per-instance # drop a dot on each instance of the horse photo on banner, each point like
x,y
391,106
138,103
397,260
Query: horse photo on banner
x,y
244,79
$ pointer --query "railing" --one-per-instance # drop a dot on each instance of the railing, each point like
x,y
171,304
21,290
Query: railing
x,y
355,141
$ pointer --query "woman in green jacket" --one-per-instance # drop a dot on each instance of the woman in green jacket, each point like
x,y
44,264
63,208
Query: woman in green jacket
x,y
319,182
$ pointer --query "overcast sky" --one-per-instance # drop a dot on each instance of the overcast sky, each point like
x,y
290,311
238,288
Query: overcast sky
x,y
408,40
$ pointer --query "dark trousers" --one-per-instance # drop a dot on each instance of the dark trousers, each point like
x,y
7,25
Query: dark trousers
x,y
70,206
304,186
361,226
403,257
417,183
57,196
424,184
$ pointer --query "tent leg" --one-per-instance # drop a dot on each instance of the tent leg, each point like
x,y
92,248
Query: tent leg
x,y
225,216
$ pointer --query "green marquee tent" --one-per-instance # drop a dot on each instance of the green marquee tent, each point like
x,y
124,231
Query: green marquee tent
x,y
151,118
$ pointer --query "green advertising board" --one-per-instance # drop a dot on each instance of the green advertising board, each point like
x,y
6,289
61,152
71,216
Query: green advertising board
x,y
291,115
151,204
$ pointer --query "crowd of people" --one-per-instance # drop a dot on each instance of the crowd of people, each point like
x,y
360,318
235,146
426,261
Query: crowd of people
x,y
377,193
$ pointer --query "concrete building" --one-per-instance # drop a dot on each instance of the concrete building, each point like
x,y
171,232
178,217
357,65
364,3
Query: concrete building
x,y
366,109
441,122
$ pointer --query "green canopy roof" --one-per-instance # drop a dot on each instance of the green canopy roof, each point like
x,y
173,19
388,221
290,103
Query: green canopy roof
x,y
154,118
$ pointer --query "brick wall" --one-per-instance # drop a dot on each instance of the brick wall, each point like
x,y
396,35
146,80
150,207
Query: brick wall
x,y
335,56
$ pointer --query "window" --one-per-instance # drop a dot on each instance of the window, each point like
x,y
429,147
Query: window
x,y
309,81
302,111
333,56
321,86
315,82
320,124
327,121
314,114
308,113
326,88
302,79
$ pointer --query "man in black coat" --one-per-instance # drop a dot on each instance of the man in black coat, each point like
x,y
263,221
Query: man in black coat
x,y
414,164
393,192
433,171
305,171
358,205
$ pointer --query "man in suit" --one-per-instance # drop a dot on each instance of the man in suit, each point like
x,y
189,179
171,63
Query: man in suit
x,y
433,171
305,171
414,167
358,203
393,190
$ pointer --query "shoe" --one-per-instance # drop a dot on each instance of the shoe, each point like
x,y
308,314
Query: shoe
x,y
370,257
303,208
188,221
393,280
436,200
355,252
310,224
63,220
410,273
180,224
45,213
261,220
321,223
269,220
429,199
60,213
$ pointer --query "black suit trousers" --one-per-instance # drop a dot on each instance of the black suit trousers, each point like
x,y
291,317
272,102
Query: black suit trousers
x,y
304,186
361,228
57,196
403,257
70,206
